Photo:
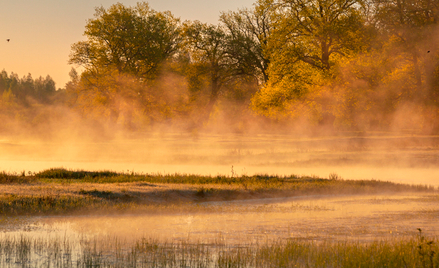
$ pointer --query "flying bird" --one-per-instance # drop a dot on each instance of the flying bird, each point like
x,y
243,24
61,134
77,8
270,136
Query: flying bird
x,y
8,40
428,51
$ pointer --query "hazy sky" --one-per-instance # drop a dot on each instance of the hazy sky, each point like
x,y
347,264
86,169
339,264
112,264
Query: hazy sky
x,y
42,31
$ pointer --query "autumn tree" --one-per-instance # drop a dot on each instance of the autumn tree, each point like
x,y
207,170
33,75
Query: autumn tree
x,y
131,40
123,54
316,30
388,85
409,25
308,42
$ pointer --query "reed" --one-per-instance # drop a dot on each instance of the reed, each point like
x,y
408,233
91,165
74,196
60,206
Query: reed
x,y
22,251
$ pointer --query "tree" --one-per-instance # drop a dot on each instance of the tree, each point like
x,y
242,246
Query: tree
x,y
208,56
27,87
130,40
309,40
408,25
125,50
313,31
44,88
248,35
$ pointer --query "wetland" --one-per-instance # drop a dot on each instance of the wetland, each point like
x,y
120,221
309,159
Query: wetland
x,y
231,216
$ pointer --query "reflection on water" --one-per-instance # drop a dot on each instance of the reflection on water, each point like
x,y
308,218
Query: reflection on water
x,y
360,218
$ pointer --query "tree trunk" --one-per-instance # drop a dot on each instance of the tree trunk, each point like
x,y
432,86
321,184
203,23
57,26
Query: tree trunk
x,y
325,55
215,87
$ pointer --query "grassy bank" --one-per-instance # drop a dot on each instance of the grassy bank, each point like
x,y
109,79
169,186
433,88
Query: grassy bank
x,y
61,191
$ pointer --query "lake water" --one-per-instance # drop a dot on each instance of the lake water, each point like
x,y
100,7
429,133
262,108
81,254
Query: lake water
x,y
317,218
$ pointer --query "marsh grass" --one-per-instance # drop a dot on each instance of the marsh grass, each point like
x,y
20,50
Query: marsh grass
x,y
255,182
6,178
22,251
38,205
58,191
62,173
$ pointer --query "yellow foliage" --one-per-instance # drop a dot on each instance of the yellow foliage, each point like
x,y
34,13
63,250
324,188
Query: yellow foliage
x,y
287,93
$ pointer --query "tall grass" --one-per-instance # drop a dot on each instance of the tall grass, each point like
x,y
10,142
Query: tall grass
x,y
254,182
23,251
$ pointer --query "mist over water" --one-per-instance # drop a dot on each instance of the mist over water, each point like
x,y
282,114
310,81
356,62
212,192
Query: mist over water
x,y
388,157
367,111
318,218
392,157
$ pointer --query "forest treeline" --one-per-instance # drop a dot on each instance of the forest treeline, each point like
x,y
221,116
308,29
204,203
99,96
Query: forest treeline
x,y
351,65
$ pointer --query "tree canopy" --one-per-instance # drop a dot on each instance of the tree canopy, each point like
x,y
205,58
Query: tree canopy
x,y
341,64
131,40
